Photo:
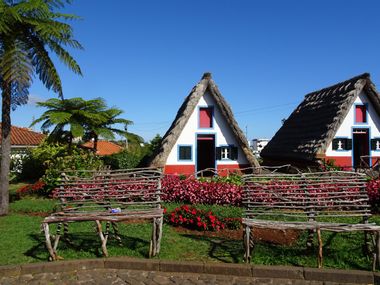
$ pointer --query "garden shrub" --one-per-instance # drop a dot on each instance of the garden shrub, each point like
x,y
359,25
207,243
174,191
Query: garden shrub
x,y
195,219
123,160
34,163
373,187
38,188
193,191
78,159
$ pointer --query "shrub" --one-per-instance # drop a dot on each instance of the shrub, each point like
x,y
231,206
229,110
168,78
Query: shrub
x,y
35,164
373,187
79,159
192,218
193,191
123,160
38,188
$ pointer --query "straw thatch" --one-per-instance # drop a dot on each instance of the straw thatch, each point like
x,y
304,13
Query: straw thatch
x,y
306,134
205,85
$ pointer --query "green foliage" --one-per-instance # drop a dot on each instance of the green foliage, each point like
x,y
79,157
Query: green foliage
x,y
232,178
78,159
35,163
123,160
49,160
329,165
83,118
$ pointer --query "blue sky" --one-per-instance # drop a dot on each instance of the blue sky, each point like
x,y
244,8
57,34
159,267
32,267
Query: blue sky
x,y
145,56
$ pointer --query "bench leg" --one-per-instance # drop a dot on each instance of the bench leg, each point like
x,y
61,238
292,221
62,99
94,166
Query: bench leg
x,y
53,254
159,222
377,250
58,236
320,249
116,232
102,238
153,240
247,244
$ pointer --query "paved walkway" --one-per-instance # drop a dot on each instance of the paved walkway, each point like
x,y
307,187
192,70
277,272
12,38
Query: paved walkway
x,y
134,277
117,271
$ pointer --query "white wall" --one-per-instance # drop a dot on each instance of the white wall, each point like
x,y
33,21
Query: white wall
x,y
345,130
221,130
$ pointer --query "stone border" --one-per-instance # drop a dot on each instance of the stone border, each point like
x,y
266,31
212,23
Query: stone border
x,y
242,270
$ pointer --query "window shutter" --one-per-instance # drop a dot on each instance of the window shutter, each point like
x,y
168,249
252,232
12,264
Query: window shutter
x,y
335,144
234,153
348,144
218,153
374,143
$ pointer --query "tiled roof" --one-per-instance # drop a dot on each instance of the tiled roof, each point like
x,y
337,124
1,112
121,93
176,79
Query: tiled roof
x,y
104,147
314,123
24,137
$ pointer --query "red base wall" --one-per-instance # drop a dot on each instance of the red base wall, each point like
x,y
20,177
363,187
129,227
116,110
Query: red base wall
x,y
346,161
223,170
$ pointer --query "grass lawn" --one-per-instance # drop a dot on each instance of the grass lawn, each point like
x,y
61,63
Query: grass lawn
x,y
21,241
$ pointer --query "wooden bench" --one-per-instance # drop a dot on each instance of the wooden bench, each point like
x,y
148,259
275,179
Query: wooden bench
x,y
107,196
322,201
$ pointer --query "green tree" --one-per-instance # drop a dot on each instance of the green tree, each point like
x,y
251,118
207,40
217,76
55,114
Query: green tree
x,y
70,118
105,127
28,31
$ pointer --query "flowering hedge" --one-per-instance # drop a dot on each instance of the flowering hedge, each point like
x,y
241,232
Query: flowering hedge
x,y
38,188
195,219
193,191
373,187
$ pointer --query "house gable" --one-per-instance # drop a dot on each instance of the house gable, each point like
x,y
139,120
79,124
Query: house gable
x,y
310,129
224,135
186,125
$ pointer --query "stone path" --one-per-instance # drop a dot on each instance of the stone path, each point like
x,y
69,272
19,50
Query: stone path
x,y
137,277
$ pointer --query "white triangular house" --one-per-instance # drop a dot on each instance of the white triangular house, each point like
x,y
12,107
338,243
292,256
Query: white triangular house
x,y
340,123
204,135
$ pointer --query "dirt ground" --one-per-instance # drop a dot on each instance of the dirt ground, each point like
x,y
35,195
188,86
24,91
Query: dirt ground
x,y
282,237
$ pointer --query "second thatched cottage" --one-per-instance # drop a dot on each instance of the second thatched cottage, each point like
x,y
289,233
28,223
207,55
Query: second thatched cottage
x,y
204,135
340,123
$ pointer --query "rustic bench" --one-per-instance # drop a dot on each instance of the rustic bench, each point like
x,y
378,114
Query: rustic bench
x,y
110,197
322,201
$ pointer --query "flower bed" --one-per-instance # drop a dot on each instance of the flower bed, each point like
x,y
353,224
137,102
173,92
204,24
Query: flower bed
x,y
192,218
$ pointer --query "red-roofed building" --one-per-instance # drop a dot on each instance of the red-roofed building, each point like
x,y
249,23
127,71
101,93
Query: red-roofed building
x,y
104,147
23,138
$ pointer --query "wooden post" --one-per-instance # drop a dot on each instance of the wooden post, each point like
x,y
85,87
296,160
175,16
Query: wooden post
x,y
378,249
247,235
53,255
159,235
102,238
152,252
320,246
57,237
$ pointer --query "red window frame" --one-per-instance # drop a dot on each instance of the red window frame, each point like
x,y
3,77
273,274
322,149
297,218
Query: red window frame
x,y
360,114
205,117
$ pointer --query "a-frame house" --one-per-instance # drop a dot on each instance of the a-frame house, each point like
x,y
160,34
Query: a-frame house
x,y
340,123
204,135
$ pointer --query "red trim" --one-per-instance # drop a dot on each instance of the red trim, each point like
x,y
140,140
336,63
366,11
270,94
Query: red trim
x,y
225,169
179,169
342,161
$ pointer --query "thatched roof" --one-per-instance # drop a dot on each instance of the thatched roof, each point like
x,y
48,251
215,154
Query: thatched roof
x,y
170,138
306,134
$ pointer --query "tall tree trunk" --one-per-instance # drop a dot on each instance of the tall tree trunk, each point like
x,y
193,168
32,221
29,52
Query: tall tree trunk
x,y
5,148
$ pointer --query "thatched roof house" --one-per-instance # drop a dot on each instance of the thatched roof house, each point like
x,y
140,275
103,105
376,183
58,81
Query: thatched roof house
x,y
203,135
338,123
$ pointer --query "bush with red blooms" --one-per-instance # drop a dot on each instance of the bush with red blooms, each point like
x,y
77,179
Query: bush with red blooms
x,y
192,191
373,187
194,219
38,188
